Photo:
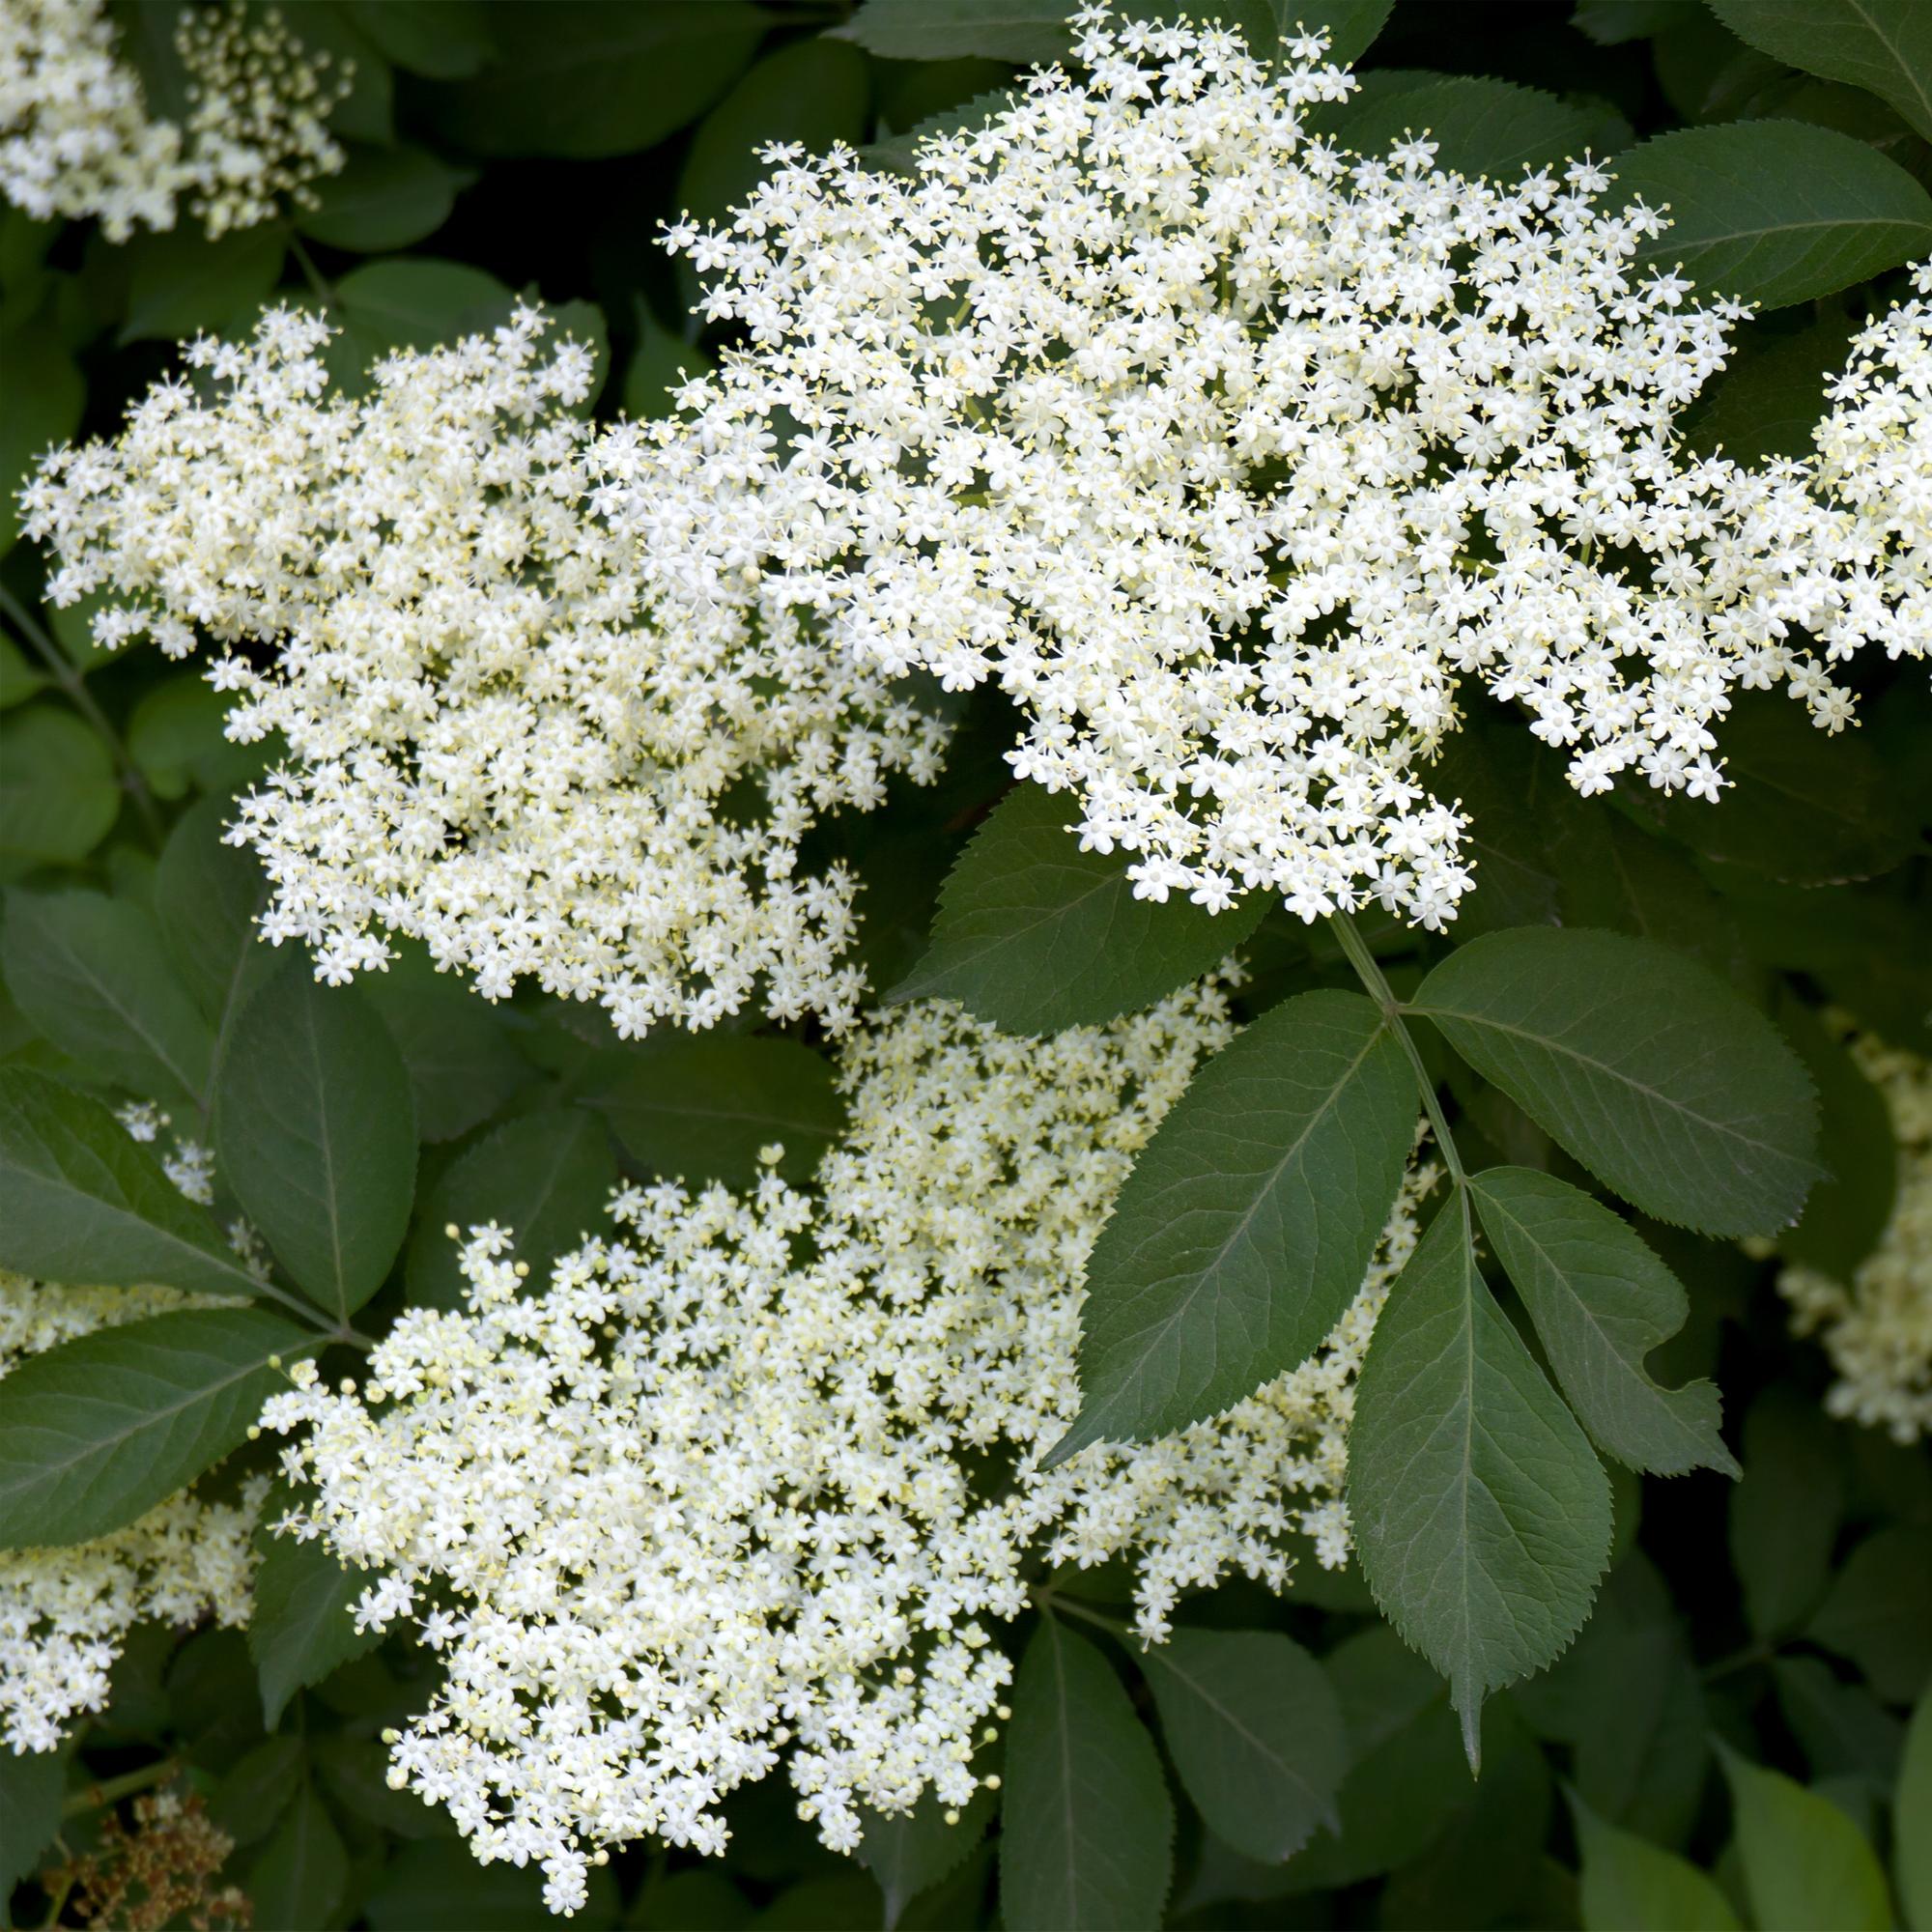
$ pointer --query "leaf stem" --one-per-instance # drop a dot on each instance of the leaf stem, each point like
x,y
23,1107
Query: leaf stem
x,y
1355,949
111,1790
319,285
75,686
1055,1605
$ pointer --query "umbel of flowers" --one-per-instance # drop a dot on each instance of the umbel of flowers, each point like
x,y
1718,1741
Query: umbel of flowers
x,y
755,1476
77,138
1877,1327
65,1613
1242,463
543,709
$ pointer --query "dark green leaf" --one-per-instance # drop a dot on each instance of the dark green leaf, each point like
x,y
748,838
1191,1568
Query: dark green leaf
x,y
410,303
44,396
1806,1864
589,77
58,793
899,154
1882,45
1912,1806
82,1201
912,1851
1801,807
367,112
1248,1222
660,363
1479,127
1633,1886
1843,1730
703,1107
1482,1514
259,1789
438,1887
88,971
207,895
32,1787
315,1131
1771,402
181,282
94,1431
1776,211
18,679
462,1059
303,1871
1021,31
447,40
1642,1064
1844,1214
175,739
1088,1832
1254,1730
385,198
545,1176
1879,1611
304,1624
1035,936
1602,1302
1785,1513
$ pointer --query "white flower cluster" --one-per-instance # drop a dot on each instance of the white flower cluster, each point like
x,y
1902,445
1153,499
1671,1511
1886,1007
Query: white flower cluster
x,y
1877,1327
1241,463
65,1612
77,137
756,1474
544,710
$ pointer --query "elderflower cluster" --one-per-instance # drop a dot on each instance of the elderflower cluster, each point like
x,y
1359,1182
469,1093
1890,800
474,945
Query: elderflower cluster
x,y
77,139
755,1476
1877,1327
542,708
66,1611
1242,463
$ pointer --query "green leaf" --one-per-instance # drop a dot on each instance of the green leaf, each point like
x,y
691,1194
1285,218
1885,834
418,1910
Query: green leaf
x,y
702,1107
315,1131
461,1055
94,1431
57,794
18,679
1088,1830
1785,1513
33,1785
813,92
45,393
385,198
1480,127
1034,935
1882,45
1482,1514
1806,1864
303,1623
82,1201
1602,1302
446,40
1776,211
546,1176
181,282
1842,1728
1254,1730
1248,1222
913,1851
367,112
207,895
1022,31
257,1790
1771,402
175,739
585,78
303,1871
1846,1213
1633,1886
1643,1065
1912,1807
660,363
1879,1611
898,153
1801,807
88,972
411,303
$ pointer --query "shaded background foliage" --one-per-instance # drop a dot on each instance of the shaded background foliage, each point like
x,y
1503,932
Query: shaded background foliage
x,y
1780,1625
